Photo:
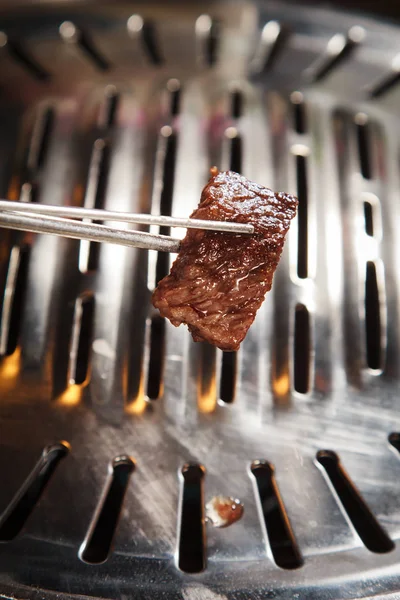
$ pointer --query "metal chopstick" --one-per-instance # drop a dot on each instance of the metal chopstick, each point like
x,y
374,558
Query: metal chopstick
x,y
87,231
105,215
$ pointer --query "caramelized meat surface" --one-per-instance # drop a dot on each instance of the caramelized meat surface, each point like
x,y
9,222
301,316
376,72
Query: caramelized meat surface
x,y
219,280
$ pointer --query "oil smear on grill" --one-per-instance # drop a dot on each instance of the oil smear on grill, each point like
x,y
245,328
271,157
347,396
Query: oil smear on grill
x,y
281,539
98,541
20,508
365,523
191,528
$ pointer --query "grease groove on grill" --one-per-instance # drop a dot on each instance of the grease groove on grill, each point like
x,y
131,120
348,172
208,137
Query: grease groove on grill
x,y
389,80
208,32
20,508
166,196
237,102
394,440
372,318
302,347
14,299
21,56
156,358
365,523
338,49
40,141
81,341
299,112
192,534
369,218
95,198
174,89
98,541
363,144
108,108
273,39
71,34
302,217
281,538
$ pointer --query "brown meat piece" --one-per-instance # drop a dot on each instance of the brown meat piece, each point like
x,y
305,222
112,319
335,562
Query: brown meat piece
x,y
219,280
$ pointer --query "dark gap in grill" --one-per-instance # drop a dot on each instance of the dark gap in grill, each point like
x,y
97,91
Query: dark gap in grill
x,y
82,339
96,547
89,49
162,266
156,358
363,149
301,349
191,552
150,43
235,163
369,218
236,104
20,55
212,43
370,531
99,202
302,217
372,318
18,511
384,86
40,141
273,40
110,106
174,89
281,538
14,299
228,377
394,439
333,57
299,113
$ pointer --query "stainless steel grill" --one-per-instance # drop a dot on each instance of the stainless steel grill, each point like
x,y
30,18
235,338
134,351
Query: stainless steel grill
x,y
115,428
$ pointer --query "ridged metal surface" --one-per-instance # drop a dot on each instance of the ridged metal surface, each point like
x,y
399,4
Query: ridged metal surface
x,y
83,350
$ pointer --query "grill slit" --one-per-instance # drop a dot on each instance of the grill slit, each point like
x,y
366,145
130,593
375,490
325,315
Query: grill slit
x,y
339,48
394,440
150,43
21,56
236,104
97,544
273,38
14,300
95,198
372,318
369,218
299,113
301,349
368,528
302,217
40,141
191,550
166,196
156,358
281,538
81,342
385,85
363,138
108,109
20,508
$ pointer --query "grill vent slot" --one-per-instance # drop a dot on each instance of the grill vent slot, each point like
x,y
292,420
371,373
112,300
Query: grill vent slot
x,y
389,81
372,318
280,535
18,53
137,26
208,34
14,299
40,141
363,144
81,340
273,39
394,439
370,531
156,358
17,513
96,547
299,112
302,346
71,34
236,104
109,107
369,218
228,377
191,551
339,48
302,217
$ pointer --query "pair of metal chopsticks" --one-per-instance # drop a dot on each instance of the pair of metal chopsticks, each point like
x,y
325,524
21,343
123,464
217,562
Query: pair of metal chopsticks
x,y
60,220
